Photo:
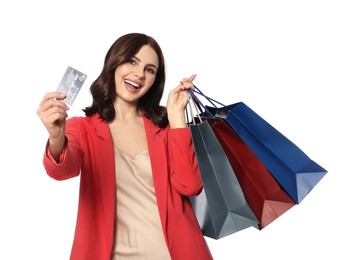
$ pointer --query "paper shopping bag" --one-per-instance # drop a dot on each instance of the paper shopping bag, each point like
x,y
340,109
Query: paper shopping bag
x,y
265,196
295,171
221,209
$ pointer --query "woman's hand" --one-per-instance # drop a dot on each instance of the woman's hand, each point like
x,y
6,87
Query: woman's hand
x,y
177,101
53,113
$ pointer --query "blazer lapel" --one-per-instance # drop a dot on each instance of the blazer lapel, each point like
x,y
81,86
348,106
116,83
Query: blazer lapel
x,y
157,151
104,154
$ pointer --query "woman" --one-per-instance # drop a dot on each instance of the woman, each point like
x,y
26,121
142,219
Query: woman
x,y
135,159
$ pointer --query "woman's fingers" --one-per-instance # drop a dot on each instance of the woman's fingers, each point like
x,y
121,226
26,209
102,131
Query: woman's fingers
x,y
178,97
189,79
186,83
53,112
52,99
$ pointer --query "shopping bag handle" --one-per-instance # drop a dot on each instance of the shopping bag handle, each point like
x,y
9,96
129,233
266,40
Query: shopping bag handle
x,y
198,104
205,111
209,99
192,104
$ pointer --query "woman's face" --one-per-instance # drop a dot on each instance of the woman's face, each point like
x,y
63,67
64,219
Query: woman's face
x,y
134,78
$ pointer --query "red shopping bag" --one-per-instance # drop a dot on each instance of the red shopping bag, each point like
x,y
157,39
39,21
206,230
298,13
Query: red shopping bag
x,y
267,199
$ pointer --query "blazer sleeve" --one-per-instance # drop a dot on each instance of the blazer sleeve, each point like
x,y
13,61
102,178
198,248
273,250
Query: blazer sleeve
x,y
71,157
184,170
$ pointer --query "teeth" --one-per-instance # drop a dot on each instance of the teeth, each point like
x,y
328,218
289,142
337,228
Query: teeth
x,y
132,83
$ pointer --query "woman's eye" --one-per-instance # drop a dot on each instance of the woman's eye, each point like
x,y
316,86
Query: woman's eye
x,y
132,62
150,70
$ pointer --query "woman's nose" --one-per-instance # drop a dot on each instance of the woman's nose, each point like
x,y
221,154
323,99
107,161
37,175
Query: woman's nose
x,y
140,73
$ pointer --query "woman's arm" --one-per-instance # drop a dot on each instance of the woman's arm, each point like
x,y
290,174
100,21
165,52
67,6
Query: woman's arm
x,y
185,174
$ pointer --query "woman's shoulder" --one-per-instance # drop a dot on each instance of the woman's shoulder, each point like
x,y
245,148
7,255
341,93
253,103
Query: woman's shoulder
x,y
95,118
89,122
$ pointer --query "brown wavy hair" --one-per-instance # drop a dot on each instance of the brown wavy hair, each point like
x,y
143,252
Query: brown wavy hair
x,y
103,89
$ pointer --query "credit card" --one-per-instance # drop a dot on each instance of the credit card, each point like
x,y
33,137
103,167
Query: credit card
x,y
71,83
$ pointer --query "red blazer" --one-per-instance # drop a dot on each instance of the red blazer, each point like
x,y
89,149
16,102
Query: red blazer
x,y
176,176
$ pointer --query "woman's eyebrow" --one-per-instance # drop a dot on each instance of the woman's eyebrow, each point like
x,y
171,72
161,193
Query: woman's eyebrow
x,y
149,64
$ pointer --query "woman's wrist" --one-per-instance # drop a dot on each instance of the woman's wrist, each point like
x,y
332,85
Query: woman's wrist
x,y
177,119
56,146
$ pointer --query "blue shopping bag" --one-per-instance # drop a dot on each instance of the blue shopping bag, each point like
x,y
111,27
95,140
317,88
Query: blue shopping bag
x,y
294,170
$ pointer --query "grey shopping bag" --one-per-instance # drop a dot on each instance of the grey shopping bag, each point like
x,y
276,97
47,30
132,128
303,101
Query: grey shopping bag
x,y
221,208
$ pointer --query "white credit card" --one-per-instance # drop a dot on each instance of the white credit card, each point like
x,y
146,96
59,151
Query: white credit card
x,y
71,84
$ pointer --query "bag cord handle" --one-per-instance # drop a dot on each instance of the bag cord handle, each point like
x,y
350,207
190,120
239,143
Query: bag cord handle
x,y
192,104
201,107
209,99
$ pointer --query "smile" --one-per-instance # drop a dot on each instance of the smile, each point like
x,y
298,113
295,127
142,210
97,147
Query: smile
x,y
135,85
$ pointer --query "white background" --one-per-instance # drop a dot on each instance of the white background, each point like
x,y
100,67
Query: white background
x,y
293,62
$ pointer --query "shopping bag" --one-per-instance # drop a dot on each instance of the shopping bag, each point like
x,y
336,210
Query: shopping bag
x,y
221,208
265,196
294,170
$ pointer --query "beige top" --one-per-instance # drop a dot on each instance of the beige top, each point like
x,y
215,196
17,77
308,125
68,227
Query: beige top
x,y
138,232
